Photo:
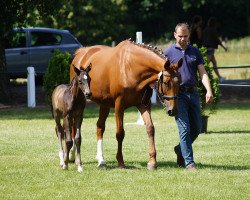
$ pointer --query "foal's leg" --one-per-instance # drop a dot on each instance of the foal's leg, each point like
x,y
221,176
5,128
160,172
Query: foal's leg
x,y
60,136
78,140
60,132
146,115
67,127
103,114
120,133
72,151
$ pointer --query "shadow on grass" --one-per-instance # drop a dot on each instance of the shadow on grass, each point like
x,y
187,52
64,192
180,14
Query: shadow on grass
x,y
223,167
228,132
111,165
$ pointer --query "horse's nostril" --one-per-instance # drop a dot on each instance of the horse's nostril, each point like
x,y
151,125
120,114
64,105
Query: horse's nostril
x,y
88,94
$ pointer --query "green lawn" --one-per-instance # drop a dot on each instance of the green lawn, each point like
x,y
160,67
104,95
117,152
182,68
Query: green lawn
x,y
29,162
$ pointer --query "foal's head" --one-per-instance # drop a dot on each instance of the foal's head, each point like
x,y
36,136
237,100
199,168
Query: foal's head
x,y
168,86
83,79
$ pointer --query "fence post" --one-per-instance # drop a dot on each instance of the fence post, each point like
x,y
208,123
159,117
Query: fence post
x,y
31,92
139,40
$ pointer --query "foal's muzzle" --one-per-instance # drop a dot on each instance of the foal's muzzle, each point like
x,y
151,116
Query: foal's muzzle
x,y
88,94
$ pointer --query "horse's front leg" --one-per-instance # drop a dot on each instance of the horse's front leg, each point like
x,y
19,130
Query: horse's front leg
x,y
146,115
68,140
103,114
78,140
72,151
120,133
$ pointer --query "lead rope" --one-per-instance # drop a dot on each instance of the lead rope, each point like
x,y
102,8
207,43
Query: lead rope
x,y
159,97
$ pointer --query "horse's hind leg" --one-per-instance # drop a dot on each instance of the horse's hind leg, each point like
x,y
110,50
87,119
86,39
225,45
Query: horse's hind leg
x,y
120,133
72,152
146,115
103,114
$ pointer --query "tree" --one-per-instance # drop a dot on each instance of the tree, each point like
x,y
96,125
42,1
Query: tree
x,y
16,13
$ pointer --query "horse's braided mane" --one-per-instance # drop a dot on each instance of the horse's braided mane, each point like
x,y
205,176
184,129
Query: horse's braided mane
x,y
159,52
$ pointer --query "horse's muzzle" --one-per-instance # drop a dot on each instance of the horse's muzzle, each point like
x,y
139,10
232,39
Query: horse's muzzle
x,y
88,95
172,112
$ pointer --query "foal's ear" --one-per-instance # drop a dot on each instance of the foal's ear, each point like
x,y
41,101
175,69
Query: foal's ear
x,y
167,64
77,71
179,63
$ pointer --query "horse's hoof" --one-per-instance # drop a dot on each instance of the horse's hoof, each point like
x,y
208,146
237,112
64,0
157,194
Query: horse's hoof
x,y
65,167
101,164
151,167
79,169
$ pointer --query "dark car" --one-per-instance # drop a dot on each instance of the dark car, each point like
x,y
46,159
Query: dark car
x,y
34,47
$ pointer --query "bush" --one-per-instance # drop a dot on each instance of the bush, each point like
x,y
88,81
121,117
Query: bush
x,y
57,72
208,108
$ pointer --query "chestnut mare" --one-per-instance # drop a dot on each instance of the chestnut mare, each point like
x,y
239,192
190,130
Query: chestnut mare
x,y
120,78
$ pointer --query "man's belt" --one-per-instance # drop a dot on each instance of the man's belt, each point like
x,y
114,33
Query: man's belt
x,y
188,89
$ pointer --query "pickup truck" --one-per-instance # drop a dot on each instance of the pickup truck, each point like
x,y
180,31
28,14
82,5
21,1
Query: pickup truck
x,y
34,47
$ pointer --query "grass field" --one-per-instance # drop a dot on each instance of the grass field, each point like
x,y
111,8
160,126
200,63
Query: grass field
x,y
29,162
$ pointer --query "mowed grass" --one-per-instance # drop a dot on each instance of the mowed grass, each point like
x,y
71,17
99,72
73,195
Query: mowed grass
x,y
29,163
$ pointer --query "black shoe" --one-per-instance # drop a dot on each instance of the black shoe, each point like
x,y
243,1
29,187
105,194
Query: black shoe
x,y
180,159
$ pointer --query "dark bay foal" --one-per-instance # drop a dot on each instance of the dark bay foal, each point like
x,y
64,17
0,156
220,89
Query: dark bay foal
x,y
68,103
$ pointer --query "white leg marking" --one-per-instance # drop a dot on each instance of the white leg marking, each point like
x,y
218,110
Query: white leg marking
x,y
65,167
99,155
79,168
61,156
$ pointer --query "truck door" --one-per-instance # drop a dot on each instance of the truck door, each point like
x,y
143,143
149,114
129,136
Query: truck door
x,y
17,54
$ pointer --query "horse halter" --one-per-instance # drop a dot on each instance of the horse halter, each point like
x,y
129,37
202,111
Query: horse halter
x,y
159,87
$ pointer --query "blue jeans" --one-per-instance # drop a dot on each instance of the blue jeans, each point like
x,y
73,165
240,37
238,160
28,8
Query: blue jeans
x,y
189,123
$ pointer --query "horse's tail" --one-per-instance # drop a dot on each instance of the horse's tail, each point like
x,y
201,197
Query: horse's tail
x,y
51,107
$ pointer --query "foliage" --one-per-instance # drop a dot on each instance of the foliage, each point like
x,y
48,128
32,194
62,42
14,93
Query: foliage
x,y
15,14
57,72
214,85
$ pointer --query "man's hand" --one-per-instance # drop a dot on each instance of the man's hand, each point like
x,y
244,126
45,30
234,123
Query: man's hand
x,y
209,97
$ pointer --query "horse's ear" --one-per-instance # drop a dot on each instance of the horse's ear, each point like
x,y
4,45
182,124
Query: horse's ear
x,y
167,64
89,67
77,71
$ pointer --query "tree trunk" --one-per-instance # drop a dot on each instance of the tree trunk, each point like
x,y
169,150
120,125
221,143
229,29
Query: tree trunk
x,y
5,94
248,15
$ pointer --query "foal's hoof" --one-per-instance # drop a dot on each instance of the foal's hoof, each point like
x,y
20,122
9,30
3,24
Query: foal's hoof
x,y
151,167
79,169
65,167
101,164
